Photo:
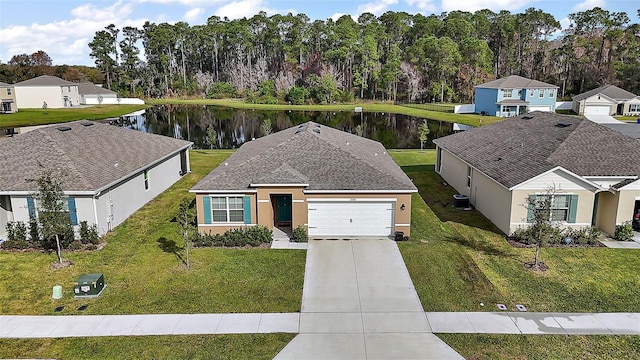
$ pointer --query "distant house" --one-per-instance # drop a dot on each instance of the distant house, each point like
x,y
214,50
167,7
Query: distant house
x,y
8,98
607,100
92,94
55,92
514,95
109,172
499,166
333,183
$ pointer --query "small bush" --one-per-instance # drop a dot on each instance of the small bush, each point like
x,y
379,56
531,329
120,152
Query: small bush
x,y
88,233
75,245
16,230
18,244
583,236
300,234
251,235
624,232
34,232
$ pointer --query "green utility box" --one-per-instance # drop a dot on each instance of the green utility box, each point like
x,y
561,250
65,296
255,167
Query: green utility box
x,y
89,285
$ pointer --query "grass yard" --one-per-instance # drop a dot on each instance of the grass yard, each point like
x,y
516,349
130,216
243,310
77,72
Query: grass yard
x,y
219,347
27,117
458,259
141,278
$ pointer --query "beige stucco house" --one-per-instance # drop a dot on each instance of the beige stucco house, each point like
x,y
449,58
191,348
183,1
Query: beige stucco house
x,y
335,184
55,92
607,100
8,99
594,170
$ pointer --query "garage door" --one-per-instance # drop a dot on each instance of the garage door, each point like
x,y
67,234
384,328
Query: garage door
x,y
597,110
352,218
539,108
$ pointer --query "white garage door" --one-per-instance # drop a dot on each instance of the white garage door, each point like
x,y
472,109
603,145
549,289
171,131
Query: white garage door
x,y
597,110
353,218
539,108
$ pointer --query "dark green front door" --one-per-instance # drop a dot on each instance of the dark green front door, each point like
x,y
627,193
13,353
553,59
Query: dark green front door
x,y
283,210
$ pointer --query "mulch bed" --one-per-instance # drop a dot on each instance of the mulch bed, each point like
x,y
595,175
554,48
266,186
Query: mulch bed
x,y
532,266
517,244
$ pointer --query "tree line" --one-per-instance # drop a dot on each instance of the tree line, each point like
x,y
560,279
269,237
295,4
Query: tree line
x,y
394,56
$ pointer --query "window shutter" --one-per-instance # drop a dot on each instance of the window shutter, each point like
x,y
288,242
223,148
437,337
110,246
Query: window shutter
x,y
206,201
247,209
573,208
72,210
32,208
530,205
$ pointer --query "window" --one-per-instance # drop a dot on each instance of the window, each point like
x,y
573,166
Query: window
x,y
634,107
541,94
469,173
506,93
531,92
8,91
68,206
552,93
520,93
561,207
146,180
227,209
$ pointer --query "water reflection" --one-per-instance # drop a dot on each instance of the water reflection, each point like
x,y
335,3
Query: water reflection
x,y
233,127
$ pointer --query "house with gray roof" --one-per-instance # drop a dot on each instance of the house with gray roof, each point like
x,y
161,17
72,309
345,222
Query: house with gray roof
x,y
593,168
7,99
333,183
514,95
108,172
93,94
50,90
607,100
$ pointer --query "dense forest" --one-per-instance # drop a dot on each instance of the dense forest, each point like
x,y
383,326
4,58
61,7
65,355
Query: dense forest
x,y
396,56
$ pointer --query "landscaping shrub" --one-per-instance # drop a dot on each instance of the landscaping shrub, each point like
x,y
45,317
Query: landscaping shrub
x,y
300,234
88,233
16,230
583,236
251,235
34,233
18,244
624,232
75,245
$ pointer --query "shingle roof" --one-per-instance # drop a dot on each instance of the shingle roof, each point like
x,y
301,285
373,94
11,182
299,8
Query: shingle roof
x,y
5,84
516,82
91,89
45,80
611,91
323,157
91,156
520,148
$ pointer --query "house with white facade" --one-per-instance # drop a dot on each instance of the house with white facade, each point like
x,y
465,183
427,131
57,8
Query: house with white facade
x,y
50,90
607,100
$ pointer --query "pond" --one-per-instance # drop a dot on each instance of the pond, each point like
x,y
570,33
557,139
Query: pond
x,y
236,126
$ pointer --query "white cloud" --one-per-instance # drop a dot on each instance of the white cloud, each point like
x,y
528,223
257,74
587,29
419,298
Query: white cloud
x,y
188,3
423,5
91,12
494,5
589,4
193,14
377,7
243,8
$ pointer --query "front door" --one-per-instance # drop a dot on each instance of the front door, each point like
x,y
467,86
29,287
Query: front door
x,y
282,209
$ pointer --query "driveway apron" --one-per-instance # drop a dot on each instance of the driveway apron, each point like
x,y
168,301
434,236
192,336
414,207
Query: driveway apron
x,y
358,302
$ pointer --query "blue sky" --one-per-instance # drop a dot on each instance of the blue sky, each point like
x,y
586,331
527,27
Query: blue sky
x,y
63,28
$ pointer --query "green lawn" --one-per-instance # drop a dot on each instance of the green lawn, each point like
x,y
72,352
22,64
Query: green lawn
x,y
141,278
27,117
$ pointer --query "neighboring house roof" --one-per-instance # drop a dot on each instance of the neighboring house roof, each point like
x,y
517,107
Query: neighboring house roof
x,y
516,82
5,85
517,149
92,89
46,80
610,91
320,156
512,102
92,157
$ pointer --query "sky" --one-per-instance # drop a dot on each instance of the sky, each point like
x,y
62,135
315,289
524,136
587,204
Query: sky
x,y
64,28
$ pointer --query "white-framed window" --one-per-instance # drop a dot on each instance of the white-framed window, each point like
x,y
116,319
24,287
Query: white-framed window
x,y
507,93
469,175
560,206
634,107
531,92
541,94
146,180
8,91
552,93
34,207
227,208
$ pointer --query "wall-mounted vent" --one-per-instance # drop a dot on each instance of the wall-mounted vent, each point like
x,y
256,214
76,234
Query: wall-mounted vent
x,y
563,124
63,128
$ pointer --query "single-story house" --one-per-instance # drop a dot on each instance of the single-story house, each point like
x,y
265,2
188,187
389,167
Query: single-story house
x,y
108,172
8,99
514,95
55,92
593,168
607,100
334,184
92,94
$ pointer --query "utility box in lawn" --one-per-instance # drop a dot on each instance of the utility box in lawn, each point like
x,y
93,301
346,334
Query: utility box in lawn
x,y
89,285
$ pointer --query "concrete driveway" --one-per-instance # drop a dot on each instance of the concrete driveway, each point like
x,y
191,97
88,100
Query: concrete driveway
x,y
359,302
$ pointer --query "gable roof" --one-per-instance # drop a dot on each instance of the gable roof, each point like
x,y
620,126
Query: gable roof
x,y
516,82
517,149
4,85
92,89
320,156
46,80
610,91
91,157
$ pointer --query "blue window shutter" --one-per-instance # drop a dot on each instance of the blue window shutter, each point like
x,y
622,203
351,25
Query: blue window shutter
x,y
32,208
206,202
247,209
72,210
530,206
573,209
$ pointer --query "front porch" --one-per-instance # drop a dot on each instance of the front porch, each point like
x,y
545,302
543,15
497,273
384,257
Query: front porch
x,y
510,108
